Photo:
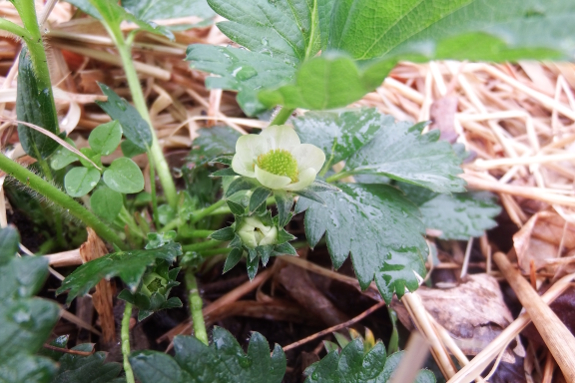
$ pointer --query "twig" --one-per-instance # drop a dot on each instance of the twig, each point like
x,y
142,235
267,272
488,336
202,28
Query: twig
x,y
416,352
335,328
68,351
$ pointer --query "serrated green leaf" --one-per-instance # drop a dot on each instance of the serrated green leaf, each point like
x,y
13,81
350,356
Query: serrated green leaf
x,y
377,226
114,14
135,128
285,29
401,152
79,181
62,157
223,361
457,216
106,203
105,138
129,266
162,10
240,70
340,133
213,143
124,176
79,369
354,365
35,106
284,203
26,321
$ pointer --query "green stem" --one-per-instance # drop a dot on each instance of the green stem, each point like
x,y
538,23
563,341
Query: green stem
x,y
200,214
219,250
196,307
155,215
155,150
128,220
125,337
199,234
201,245
60,198
282,116
15,29
338,176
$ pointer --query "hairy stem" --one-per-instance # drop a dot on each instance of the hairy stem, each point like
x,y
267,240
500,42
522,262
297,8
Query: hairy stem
x,y
201,245
125,337
15,29
200,214
60,198
196,307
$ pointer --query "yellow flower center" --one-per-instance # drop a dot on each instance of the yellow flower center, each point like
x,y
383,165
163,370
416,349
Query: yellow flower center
x,y
279,162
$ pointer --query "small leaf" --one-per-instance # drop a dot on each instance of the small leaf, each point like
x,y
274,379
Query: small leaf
x,y
105,138
377,226
240,184
258,198
236,208
133,125
224,234
284,203
124,176
401,152
63,157
79,369
129,149
106,203
340,133
35,106
240,70
233,258
79,181
355,365
223,361
94,156
130,266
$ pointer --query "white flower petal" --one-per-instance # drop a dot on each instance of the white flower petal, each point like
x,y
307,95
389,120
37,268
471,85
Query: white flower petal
x,y
306,178
270,238
270,180
308,156
280,137
245,168
248,148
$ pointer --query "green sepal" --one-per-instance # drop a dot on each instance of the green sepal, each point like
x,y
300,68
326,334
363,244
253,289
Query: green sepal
x,y
233,259
225,234
258,197
284,204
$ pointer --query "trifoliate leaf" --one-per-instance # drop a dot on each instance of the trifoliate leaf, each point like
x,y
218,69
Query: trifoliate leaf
x,y
240,70
378,227
79,369
130,266
457,216
340,133
288,30
401,152
354,365
26,321
135,128
223,361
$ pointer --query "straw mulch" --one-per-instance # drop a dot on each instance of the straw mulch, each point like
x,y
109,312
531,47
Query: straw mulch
x,y
517,120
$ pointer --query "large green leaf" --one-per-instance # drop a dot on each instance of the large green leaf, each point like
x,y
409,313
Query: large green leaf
x,y
401,152
377,226
160,10
223,361
457,216
114,14
35,106
130,266
354,365
240,70
340,133
81,369
135,128
26,322
287,29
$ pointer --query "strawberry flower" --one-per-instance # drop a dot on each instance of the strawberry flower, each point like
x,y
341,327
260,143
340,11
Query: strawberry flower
x,y
277,159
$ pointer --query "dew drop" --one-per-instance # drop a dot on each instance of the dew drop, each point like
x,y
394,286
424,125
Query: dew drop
x,y
265,42
121,105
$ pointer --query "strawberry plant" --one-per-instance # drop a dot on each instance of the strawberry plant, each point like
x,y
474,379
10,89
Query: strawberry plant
x,y
367,185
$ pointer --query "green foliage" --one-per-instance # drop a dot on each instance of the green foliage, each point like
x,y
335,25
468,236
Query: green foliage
x,y
124,176
130,266
354,365
79,181
106,203
133,125
213,143
26,321
377,226
222,362
62,157
35,106
105,138
160,10
457,216
402,153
